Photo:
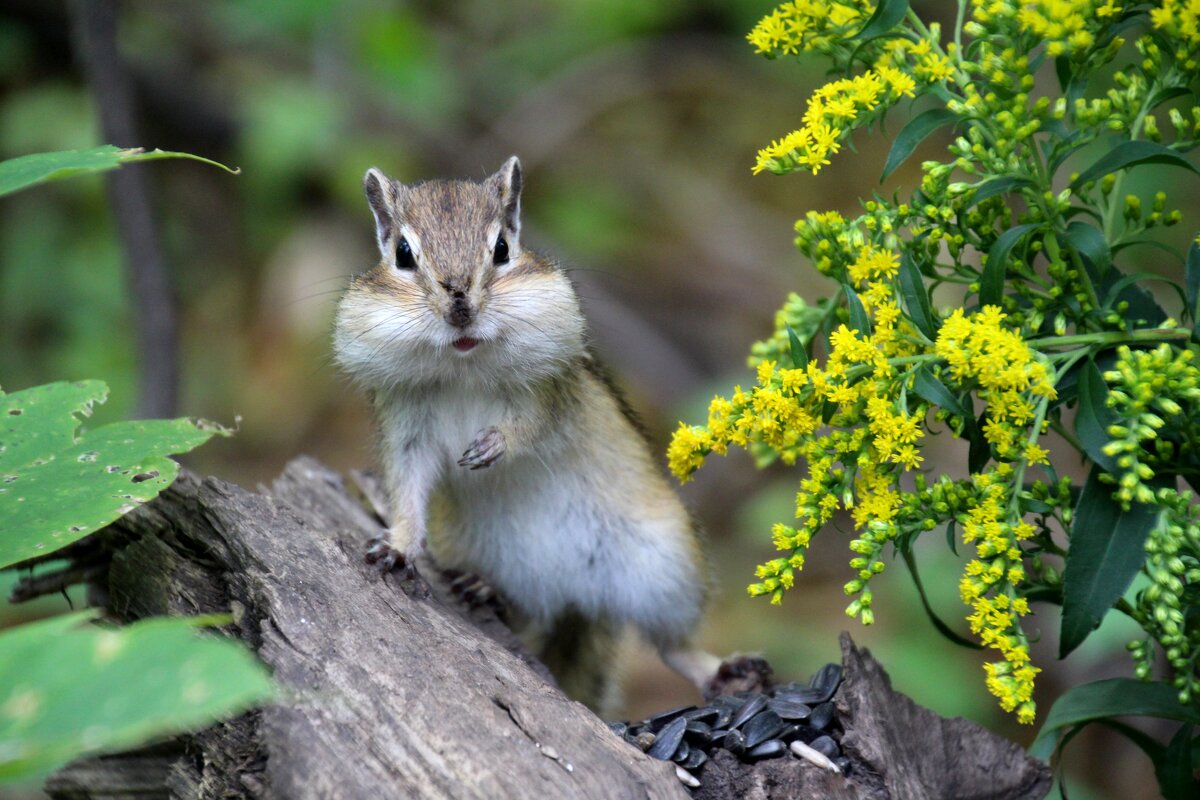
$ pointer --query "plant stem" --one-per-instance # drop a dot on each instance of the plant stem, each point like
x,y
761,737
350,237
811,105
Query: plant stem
x,y
1109,338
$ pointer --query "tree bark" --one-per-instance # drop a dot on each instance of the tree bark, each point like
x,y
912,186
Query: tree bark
x,y
386,695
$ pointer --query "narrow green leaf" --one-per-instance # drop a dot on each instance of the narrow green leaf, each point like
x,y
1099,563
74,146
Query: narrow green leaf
x,y
1192,270
1174,770
990,188
887,16
1131,154
1115,697
929,388
859,320
71,688
1089,243
991,281
799,356
942,627
57,486
1105,554
1094,417
916,131
25,171
916,297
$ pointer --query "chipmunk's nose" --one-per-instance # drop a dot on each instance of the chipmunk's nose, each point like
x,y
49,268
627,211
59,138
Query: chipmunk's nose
x,y
460,311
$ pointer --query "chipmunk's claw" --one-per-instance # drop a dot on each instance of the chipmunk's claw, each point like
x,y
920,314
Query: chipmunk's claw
x,y
486,450
381,553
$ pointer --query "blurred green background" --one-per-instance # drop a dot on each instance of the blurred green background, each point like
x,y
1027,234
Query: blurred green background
x,y
637,124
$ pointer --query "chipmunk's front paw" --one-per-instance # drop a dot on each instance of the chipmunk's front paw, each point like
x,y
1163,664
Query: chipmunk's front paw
x,y
486,450
381,553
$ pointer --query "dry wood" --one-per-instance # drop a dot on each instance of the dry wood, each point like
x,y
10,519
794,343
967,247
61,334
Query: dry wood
x,y
391,696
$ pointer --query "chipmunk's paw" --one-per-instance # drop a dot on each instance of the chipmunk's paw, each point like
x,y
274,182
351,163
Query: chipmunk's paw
x,y
488,447
381,553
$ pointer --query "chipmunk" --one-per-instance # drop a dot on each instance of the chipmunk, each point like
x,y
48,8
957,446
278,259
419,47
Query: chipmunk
x,y
506,452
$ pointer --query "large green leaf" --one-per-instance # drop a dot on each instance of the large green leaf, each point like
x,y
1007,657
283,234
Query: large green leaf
x,y
912,134
1115,697
57,485
1105,554
67,688
1131,154
25,171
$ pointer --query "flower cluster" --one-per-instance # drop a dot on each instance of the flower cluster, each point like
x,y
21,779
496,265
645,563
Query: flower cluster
x,y
990,585
1173,566
833,111
1150,390
1180,19
803,25
850,388
1067,26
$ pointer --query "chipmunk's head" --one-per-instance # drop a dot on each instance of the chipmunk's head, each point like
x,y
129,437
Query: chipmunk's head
x,y
455,294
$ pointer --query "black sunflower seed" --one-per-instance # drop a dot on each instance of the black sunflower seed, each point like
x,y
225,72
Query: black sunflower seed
x,y
668,740
763,726
747,710
768,749
821,716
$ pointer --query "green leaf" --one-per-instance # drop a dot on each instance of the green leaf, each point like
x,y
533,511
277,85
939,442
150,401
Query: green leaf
x,y
916,297
990,188
1192,269
799,356
25,171
1174,769
1131,154
991,280
929,388
912,134
859,320
1119,290
1105,554
1094,417
942,627
1115,697
1089,243
57,486
67,688
887,16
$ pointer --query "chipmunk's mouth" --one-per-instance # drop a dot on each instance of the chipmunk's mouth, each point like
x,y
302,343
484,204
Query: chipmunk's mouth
x,y
464,344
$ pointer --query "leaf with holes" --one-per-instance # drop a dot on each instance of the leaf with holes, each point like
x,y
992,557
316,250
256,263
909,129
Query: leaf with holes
x,y
57,485
25,171
71,688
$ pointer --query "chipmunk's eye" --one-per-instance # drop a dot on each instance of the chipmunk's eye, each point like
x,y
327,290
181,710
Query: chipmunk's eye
x,y
500,253
404,255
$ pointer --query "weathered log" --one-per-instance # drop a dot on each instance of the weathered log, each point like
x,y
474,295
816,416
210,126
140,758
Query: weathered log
x,y
386,695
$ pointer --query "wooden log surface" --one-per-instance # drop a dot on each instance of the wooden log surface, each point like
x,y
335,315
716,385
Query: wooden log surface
x,y
387,695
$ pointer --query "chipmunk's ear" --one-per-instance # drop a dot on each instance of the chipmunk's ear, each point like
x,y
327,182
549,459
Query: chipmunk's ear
x,y
381,196
508,184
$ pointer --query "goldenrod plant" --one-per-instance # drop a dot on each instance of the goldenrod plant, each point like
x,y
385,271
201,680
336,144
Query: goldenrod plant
x,y
1053,344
